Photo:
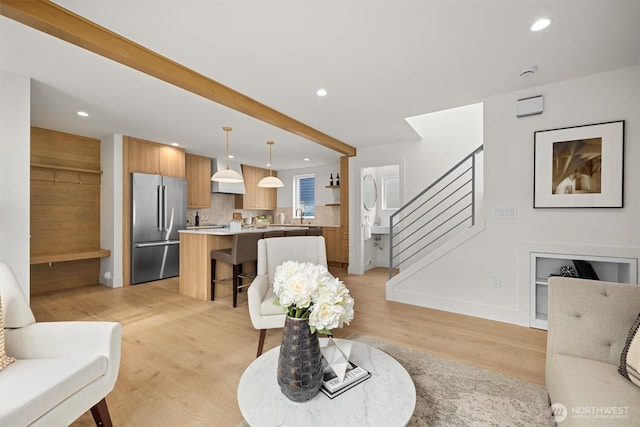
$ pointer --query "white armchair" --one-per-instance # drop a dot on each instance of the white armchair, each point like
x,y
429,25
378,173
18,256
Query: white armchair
x,y
62,369
271,253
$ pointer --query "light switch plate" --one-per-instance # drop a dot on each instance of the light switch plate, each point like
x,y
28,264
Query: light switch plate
x,y
505,213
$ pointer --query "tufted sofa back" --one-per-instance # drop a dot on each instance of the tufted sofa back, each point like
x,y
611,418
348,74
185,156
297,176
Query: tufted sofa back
x,y
590,318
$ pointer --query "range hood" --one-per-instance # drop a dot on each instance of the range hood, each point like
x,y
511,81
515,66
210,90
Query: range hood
x,y
226,187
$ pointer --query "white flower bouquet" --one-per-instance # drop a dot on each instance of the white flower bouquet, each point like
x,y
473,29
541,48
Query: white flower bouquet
x,y
308,290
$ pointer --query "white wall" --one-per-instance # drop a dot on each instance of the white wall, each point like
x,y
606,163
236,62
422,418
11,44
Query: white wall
x,y
447,137
15,104
323,195
460,281
111,210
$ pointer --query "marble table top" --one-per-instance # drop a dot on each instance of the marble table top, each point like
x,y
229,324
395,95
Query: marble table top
x,y
388,398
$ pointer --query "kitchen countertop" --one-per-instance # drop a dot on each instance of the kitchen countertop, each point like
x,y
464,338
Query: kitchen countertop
x,y
220,226
297,224
228,232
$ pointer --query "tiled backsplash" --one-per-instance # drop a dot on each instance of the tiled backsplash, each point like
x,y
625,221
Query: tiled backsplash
x,y
325,215
223,207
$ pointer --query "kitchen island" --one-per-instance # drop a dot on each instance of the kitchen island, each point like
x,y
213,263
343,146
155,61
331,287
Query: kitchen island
x,y
195,259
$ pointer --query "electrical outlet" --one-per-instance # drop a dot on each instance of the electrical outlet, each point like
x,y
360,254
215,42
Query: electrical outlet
x,y
496,280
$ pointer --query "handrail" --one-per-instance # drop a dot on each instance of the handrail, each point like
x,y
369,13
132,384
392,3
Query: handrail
x,y
445,206
473,153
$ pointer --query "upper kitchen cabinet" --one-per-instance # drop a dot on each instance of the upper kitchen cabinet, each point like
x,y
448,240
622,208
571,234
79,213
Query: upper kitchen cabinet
x,y
158,159
256,197
198,181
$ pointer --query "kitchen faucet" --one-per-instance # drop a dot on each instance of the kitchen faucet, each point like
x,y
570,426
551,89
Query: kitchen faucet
x,y
301,214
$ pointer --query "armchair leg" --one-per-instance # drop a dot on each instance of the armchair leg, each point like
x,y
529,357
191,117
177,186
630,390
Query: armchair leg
x,y
263,333
100,414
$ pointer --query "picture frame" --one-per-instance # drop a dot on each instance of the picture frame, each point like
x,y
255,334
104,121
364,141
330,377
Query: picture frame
x,y
579,167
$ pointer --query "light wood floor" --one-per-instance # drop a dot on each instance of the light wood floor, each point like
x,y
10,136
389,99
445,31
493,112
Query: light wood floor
x,y
182,358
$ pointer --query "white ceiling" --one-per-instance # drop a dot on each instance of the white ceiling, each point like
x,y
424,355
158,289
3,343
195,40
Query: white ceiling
x,y
381,61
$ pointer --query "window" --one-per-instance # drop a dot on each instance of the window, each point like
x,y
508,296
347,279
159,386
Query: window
x,y
304,195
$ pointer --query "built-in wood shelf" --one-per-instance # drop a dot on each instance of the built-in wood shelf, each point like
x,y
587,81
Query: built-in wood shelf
x,y
332,204
65,168
331,186
71,256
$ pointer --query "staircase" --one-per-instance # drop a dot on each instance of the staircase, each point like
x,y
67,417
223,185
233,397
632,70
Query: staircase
x,y
441,217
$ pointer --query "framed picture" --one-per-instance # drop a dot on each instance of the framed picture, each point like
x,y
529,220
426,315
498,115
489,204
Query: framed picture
x,y
579,167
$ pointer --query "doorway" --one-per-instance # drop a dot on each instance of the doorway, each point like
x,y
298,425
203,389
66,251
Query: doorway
x,y
378,194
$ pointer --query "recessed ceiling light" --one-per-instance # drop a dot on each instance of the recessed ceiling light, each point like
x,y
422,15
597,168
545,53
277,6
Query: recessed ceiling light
x,y
321,92
82,114
230,156
540,24
175,144
306,159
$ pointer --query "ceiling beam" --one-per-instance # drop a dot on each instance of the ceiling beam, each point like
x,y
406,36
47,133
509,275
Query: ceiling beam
x,y
59,22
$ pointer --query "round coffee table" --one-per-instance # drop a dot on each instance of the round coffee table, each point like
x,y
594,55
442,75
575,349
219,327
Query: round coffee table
x,y
388,398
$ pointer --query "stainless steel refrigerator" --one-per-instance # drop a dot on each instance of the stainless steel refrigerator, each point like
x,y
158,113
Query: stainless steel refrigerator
x,y
158,211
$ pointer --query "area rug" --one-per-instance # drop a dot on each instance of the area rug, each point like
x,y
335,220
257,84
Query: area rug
x,y
450,393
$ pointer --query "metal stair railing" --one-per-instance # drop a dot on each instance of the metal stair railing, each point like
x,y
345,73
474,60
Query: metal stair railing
x,y
441,211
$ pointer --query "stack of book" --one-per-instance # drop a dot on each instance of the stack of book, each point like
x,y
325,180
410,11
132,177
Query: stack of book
x,y
332,386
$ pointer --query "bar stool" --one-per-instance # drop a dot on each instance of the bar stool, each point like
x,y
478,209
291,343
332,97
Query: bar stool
x,y
273,233
289,233
314,231
244,249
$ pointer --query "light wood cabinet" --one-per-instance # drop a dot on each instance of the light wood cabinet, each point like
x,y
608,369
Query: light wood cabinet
x,y
270,194
172,161
333,242
344,210
256,197
153,158
344,251
198,169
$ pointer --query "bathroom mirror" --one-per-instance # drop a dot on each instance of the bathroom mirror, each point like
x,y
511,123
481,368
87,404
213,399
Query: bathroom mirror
x,y
390,192
369,192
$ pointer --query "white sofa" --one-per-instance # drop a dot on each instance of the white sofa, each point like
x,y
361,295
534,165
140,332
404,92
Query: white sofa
x,y
589,322
62,369
271,253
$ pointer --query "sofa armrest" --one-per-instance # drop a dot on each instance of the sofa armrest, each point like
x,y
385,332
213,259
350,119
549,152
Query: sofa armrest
x,y
44,340
589,318
255,296
62,341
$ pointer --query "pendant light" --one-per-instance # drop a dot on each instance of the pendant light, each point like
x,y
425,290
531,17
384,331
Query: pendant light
x,y
227,175
270,181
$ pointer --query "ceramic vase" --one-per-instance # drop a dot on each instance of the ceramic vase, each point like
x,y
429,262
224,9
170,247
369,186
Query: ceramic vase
x,y
300,361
